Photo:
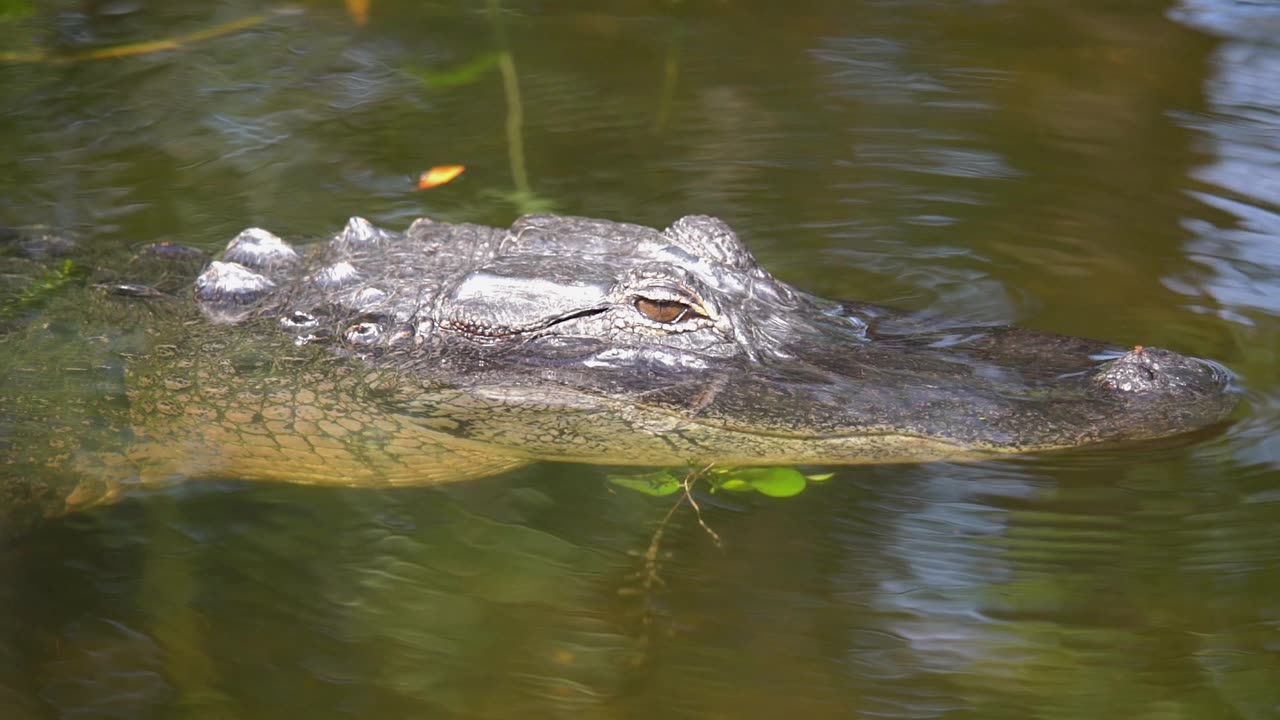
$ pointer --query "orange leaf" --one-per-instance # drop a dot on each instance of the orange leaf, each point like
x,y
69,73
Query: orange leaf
x,y
439,175
359,11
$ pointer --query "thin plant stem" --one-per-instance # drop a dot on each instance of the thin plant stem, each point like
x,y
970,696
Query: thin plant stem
x,y
515,107
176,42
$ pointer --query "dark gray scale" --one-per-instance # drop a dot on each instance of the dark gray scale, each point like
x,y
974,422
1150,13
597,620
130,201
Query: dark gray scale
x,y
724,258
553,235
363,334
442,248
710,238
360,234
299,321
368,271
227,291
368,297
308,327
341,274
261,250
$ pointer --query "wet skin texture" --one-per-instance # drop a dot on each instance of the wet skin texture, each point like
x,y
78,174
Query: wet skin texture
x,y
455,351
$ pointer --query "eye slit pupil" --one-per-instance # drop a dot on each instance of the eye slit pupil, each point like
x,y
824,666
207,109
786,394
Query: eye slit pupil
x,y
662,311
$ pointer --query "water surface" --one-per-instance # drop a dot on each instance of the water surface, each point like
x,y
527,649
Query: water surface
x,y
1093,168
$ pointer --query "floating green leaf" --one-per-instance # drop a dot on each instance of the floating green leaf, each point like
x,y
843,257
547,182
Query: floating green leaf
x,y
772,481
657,484
778,482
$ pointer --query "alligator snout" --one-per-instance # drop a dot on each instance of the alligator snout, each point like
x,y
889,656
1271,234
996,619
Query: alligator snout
x,y
1159,373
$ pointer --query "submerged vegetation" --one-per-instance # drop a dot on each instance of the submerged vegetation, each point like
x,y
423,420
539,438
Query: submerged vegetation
x,y
36,291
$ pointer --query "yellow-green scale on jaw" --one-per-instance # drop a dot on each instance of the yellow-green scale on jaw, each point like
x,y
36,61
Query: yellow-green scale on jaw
x,y
455,351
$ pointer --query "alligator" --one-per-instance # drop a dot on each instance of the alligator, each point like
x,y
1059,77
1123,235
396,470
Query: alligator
x,y
456,351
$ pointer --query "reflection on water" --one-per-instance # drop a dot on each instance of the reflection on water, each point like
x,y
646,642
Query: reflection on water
x,y
1242,178
1079,167
1232,236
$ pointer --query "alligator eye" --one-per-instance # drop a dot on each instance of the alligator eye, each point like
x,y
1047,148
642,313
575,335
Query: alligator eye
x,y
664,311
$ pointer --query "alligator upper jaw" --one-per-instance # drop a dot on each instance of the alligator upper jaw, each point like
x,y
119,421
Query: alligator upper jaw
x,y
905,398
991,395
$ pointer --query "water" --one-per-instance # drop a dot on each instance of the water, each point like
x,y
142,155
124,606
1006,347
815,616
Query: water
x,y
1093,168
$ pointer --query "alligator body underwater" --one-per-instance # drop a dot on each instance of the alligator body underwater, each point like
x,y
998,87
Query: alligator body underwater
x,y
455,351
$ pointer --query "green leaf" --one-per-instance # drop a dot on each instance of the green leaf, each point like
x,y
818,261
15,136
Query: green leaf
x,y
458,75
819,477
772,481
657,483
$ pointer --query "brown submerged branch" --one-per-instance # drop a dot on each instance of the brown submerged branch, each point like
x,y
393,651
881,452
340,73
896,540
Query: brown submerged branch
x,y
176,42
650,575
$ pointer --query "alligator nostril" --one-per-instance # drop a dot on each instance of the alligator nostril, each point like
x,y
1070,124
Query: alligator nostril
x,y
1147,371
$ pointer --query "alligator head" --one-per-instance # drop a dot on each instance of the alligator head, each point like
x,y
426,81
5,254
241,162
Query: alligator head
x,y
586,340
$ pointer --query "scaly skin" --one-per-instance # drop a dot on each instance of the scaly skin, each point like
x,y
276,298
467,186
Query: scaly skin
x,y
458,351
